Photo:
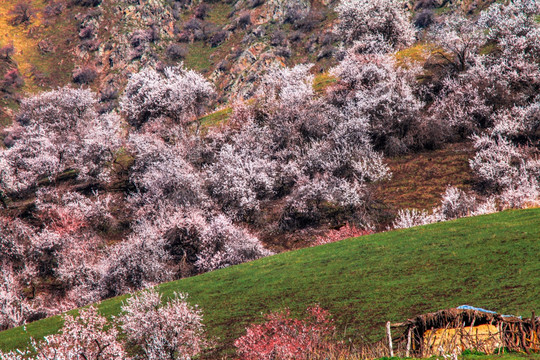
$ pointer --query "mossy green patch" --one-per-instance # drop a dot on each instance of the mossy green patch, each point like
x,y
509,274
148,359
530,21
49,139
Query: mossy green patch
x,y
198,57
418,53
215,118
322,81
219,13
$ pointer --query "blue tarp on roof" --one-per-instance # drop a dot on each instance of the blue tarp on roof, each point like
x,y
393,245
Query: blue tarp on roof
x,y
469,307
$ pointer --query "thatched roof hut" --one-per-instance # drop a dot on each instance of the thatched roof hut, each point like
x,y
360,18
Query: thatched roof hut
x,y
455,330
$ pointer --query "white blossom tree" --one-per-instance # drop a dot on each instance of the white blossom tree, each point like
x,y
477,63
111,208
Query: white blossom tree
x,y
460,39
137,262
361,19
503,167
238,179
171,331
177,93
383,93
224,244
14,309
290,86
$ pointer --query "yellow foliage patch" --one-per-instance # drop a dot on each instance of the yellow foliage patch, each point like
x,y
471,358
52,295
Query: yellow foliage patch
x,y
418,53
24,39
323,81
485,338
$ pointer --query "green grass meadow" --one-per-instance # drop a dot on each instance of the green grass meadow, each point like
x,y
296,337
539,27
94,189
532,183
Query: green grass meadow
x,y
490,261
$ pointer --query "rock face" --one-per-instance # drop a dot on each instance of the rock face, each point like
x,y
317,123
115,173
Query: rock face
x,y
250,66
126,30
280,10
467,6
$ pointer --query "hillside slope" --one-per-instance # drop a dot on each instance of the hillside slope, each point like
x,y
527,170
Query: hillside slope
x,y
488,261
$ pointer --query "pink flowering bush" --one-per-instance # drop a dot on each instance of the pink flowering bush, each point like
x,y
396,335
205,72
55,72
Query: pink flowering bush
x,y
282,337
344,232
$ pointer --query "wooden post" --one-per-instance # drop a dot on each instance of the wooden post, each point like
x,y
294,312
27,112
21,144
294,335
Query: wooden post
x,y
534,332
408,352
524,340
501,336
389,334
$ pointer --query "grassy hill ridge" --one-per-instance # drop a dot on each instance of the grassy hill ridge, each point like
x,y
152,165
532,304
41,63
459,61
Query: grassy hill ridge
x,y
490,261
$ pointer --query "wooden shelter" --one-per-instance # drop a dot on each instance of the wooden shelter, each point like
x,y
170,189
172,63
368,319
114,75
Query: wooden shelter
x,y
455,330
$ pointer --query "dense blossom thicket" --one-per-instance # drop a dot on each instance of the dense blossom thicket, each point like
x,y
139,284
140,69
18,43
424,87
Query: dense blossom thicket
x,y
315,156
89,336
61,134
57,131
100,201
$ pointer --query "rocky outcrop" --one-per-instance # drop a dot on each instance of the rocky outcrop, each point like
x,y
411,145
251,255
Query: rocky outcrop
x,y
282,10
248,69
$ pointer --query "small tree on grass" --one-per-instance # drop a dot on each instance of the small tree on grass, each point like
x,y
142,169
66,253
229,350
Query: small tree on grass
x,y
171,331
86,337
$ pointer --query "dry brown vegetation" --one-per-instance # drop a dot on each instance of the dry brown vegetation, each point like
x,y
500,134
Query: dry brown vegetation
x,y
418,180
